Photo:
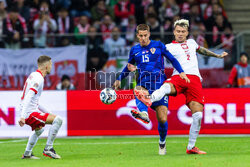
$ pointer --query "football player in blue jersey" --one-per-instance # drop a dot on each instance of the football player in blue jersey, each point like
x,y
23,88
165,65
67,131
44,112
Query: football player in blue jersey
x,y
148,56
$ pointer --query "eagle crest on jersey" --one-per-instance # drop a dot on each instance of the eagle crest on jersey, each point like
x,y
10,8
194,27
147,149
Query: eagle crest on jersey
x,y
36,85
153,50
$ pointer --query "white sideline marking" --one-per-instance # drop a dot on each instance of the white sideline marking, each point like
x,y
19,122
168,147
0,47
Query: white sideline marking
x,y
119,143
114,137
105,143
150,136
13,141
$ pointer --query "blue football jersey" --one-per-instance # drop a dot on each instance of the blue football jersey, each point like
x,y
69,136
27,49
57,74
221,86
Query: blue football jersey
x,y
150,63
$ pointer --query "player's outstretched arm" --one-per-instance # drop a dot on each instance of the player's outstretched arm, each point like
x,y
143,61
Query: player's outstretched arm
x,y
117,84
125,72
184,76
178,67
207,52
131,67
21,122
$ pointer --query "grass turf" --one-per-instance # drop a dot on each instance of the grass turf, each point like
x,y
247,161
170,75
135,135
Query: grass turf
x,y
130,152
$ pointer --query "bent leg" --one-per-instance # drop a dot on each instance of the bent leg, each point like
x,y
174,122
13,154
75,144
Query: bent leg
x,y
157,95
165,89
142,114
142,90
56,123
50,119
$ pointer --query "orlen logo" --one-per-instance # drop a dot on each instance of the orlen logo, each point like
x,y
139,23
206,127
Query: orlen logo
x,y
214,114
8,117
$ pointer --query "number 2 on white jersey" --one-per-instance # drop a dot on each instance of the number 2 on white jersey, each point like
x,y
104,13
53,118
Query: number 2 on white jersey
x,y
185,48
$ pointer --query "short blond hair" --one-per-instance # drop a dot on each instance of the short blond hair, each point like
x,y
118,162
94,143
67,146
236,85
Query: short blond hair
x,y
142,27
43,59
182,23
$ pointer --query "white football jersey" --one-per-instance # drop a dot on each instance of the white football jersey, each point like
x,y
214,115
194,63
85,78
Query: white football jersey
x,y
185,53
35,83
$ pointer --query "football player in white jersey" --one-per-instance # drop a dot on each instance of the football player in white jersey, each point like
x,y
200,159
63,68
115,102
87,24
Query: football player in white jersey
x,y
36,116
184,50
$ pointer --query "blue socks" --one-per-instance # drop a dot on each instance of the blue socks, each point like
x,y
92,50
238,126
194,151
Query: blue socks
x,y
163,129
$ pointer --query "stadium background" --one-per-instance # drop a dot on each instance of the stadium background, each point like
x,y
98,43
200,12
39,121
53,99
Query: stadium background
x,y
85,50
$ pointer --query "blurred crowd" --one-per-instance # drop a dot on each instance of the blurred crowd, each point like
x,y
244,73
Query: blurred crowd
x,y
100,23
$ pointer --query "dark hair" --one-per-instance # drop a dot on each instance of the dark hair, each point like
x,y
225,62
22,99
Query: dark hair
x,y
65,77
194,4
243,54
43,2
43,59
151,5
115,27
142,27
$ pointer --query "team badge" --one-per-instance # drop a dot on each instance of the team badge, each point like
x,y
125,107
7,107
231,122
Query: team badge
x,y
35,85
152,50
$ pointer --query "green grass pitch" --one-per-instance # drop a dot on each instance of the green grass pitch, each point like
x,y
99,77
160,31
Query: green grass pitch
x,y
130,152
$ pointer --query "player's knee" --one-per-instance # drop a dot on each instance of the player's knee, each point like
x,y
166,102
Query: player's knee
x,y
137,88
39,131
162,120
195,107
198,115
58,120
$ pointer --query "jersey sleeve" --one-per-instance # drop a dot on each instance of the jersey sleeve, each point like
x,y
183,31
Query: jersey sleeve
x,y
125,71
195,43
43,109
36,83
131,58
171,58
26,103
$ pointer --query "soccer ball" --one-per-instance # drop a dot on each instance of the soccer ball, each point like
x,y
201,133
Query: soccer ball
x,y
108,96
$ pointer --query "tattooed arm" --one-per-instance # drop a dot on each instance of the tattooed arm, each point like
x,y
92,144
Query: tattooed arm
x,y
207,52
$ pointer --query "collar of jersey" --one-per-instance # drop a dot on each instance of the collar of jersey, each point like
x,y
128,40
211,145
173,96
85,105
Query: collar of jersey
x,y
178,42
39,72
147,45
